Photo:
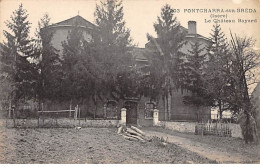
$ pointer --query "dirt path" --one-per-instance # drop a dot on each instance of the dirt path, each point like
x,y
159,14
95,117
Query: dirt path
x,y
218,154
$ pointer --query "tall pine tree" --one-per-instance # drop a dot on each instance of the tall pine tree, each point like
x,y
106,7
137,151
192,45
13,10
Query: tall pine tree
x,y
167,57
79,74
218,68
49,65
17,55
194,76
113,48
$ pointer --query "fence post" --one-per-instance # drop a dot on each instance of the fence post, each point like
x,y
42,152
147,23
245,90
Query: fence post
x,y
75,115
13,116
105,111
10,109
70,110
79,115
123,116
155,117
38,122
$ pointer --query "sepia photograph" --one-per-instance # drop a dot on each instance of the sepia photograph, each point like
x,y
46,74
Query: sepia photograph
x,y
129,82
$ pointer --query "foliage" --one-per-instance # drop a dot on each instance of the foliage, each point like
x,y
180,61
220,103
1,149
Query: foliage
x,y
77,81
152,83
194,76
244,60
218,68
130,83
49,65
110,19
17,55
113,48
166,58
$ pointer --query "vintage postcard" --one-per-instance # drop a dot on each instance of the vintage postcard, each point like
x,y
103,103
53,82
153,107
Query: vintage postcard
x,y
129,81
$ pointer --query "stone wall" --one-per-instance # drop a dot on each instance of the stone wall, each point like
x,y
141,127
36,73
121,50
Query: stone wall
x,y
62,123
189,127
99,123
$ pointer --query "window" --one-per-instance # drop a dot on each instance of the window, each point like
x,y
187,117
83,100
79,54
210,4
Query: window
x,y
149,107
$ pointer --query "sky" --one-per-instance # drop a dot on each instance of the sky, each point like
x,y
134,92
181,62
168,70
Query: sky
x,y
140,15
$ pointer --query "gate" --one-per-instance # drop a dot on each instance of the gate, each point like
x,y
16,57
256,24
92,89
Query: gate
x,y
131,112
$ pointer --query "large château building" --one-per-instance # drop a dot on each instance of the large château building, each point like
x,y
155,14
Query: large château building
x,y
139,110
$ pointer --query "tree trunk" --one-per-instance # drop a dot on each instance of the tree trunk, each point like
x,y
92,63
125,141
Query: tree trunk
x,y
95,98
198,114
220,109
165,108
169,105
10,108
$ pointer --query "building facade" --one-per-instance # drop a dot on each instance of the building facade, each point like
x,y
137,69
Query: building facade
x,y
61,29
139,109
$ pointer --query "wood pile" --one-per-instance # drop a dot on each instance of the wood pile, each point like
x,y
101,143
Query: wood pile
x,y
132,133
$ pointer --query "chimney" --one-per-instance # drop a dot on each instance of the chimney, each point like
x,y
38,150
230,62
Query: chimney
x,y
192,27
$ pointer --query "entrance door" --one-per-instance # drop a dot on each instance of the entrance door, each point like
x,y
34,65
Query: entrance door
x,y
131,112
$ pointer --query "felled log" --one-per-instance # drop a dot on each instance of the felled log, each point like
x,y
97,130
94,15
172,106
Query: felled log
x,y
119,130
147,138
134,136
164,144
142,134
130,138
133,132
138,130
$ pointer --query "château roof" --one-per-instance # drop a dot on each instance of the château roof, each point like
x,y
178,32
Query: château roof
x,y
75,20
139,54
188,36
193,35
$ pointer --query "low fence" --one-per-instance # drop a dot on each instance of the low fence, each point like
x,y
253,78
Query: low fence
x,y
189,127
26,114
55,115
58,118
218,129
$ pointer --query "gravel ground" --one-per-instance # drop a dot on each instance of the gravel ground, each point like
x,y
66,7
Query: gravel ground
x,y
87,145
